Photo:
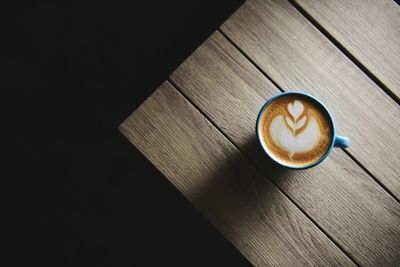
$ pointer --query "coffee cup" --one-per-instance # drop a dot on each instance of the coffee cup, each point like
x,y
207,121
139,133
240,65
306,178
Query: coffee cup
x,y
296,131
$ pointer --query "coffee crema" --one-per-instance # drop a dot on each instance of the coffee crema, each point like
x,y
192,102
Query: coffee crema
x,y
295,130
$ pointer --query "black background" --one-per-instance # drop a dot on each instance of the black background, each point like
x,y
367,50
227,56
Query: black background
x,y
87,196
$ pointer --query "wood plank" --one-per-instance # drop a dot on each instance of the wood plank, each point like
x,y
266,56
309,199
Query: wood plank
x,y
368,29
250,211
298,57
338,195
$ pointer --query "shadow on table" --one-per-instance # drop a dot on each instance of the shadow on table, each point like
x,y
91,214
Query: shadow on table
x,y
239,196
253,151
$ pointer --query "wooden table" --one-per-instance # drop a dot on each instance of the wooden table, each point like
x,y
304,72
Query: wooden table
x,y
198,129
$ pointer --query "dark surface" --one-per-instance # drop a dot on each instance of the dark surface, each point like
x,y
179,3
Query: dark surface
x,y
77,71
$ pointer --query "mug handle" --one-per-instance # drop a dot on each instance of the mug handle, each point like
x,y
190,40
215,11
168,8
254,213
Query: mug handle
x,y
341,141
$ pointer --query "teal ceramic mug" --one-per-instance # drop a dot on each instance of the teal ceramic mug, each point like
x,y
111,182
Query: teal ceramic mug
x,y
289,123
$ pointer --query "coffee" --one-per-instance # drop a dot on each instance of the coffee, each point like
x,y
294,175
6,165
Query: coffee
x,y
295,130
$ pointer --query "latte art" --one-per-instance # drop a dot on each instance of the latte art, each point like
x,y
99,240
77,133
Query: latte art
x,y
296,130
290,142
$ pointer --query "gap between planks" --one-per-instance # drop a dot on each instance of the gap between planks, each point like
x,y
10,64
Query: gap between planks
x,y
346,52
280,89
180,91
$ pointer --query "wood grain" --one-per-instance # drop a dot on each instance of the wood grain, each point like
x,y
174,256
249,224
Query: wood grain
x,y
250,211
298,57
368,29
338,195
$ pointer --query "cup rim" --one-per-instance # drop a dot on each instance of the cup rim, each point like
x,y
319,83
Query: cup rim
x,y
261,143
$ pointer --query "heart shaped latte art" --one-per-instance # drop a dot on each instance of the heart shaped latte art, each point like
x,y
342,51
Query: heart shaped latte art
x,y
283,134
295,109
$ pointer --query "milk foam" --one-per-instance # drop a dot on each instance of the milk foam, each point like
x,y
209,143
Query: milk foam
x,y
287,140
